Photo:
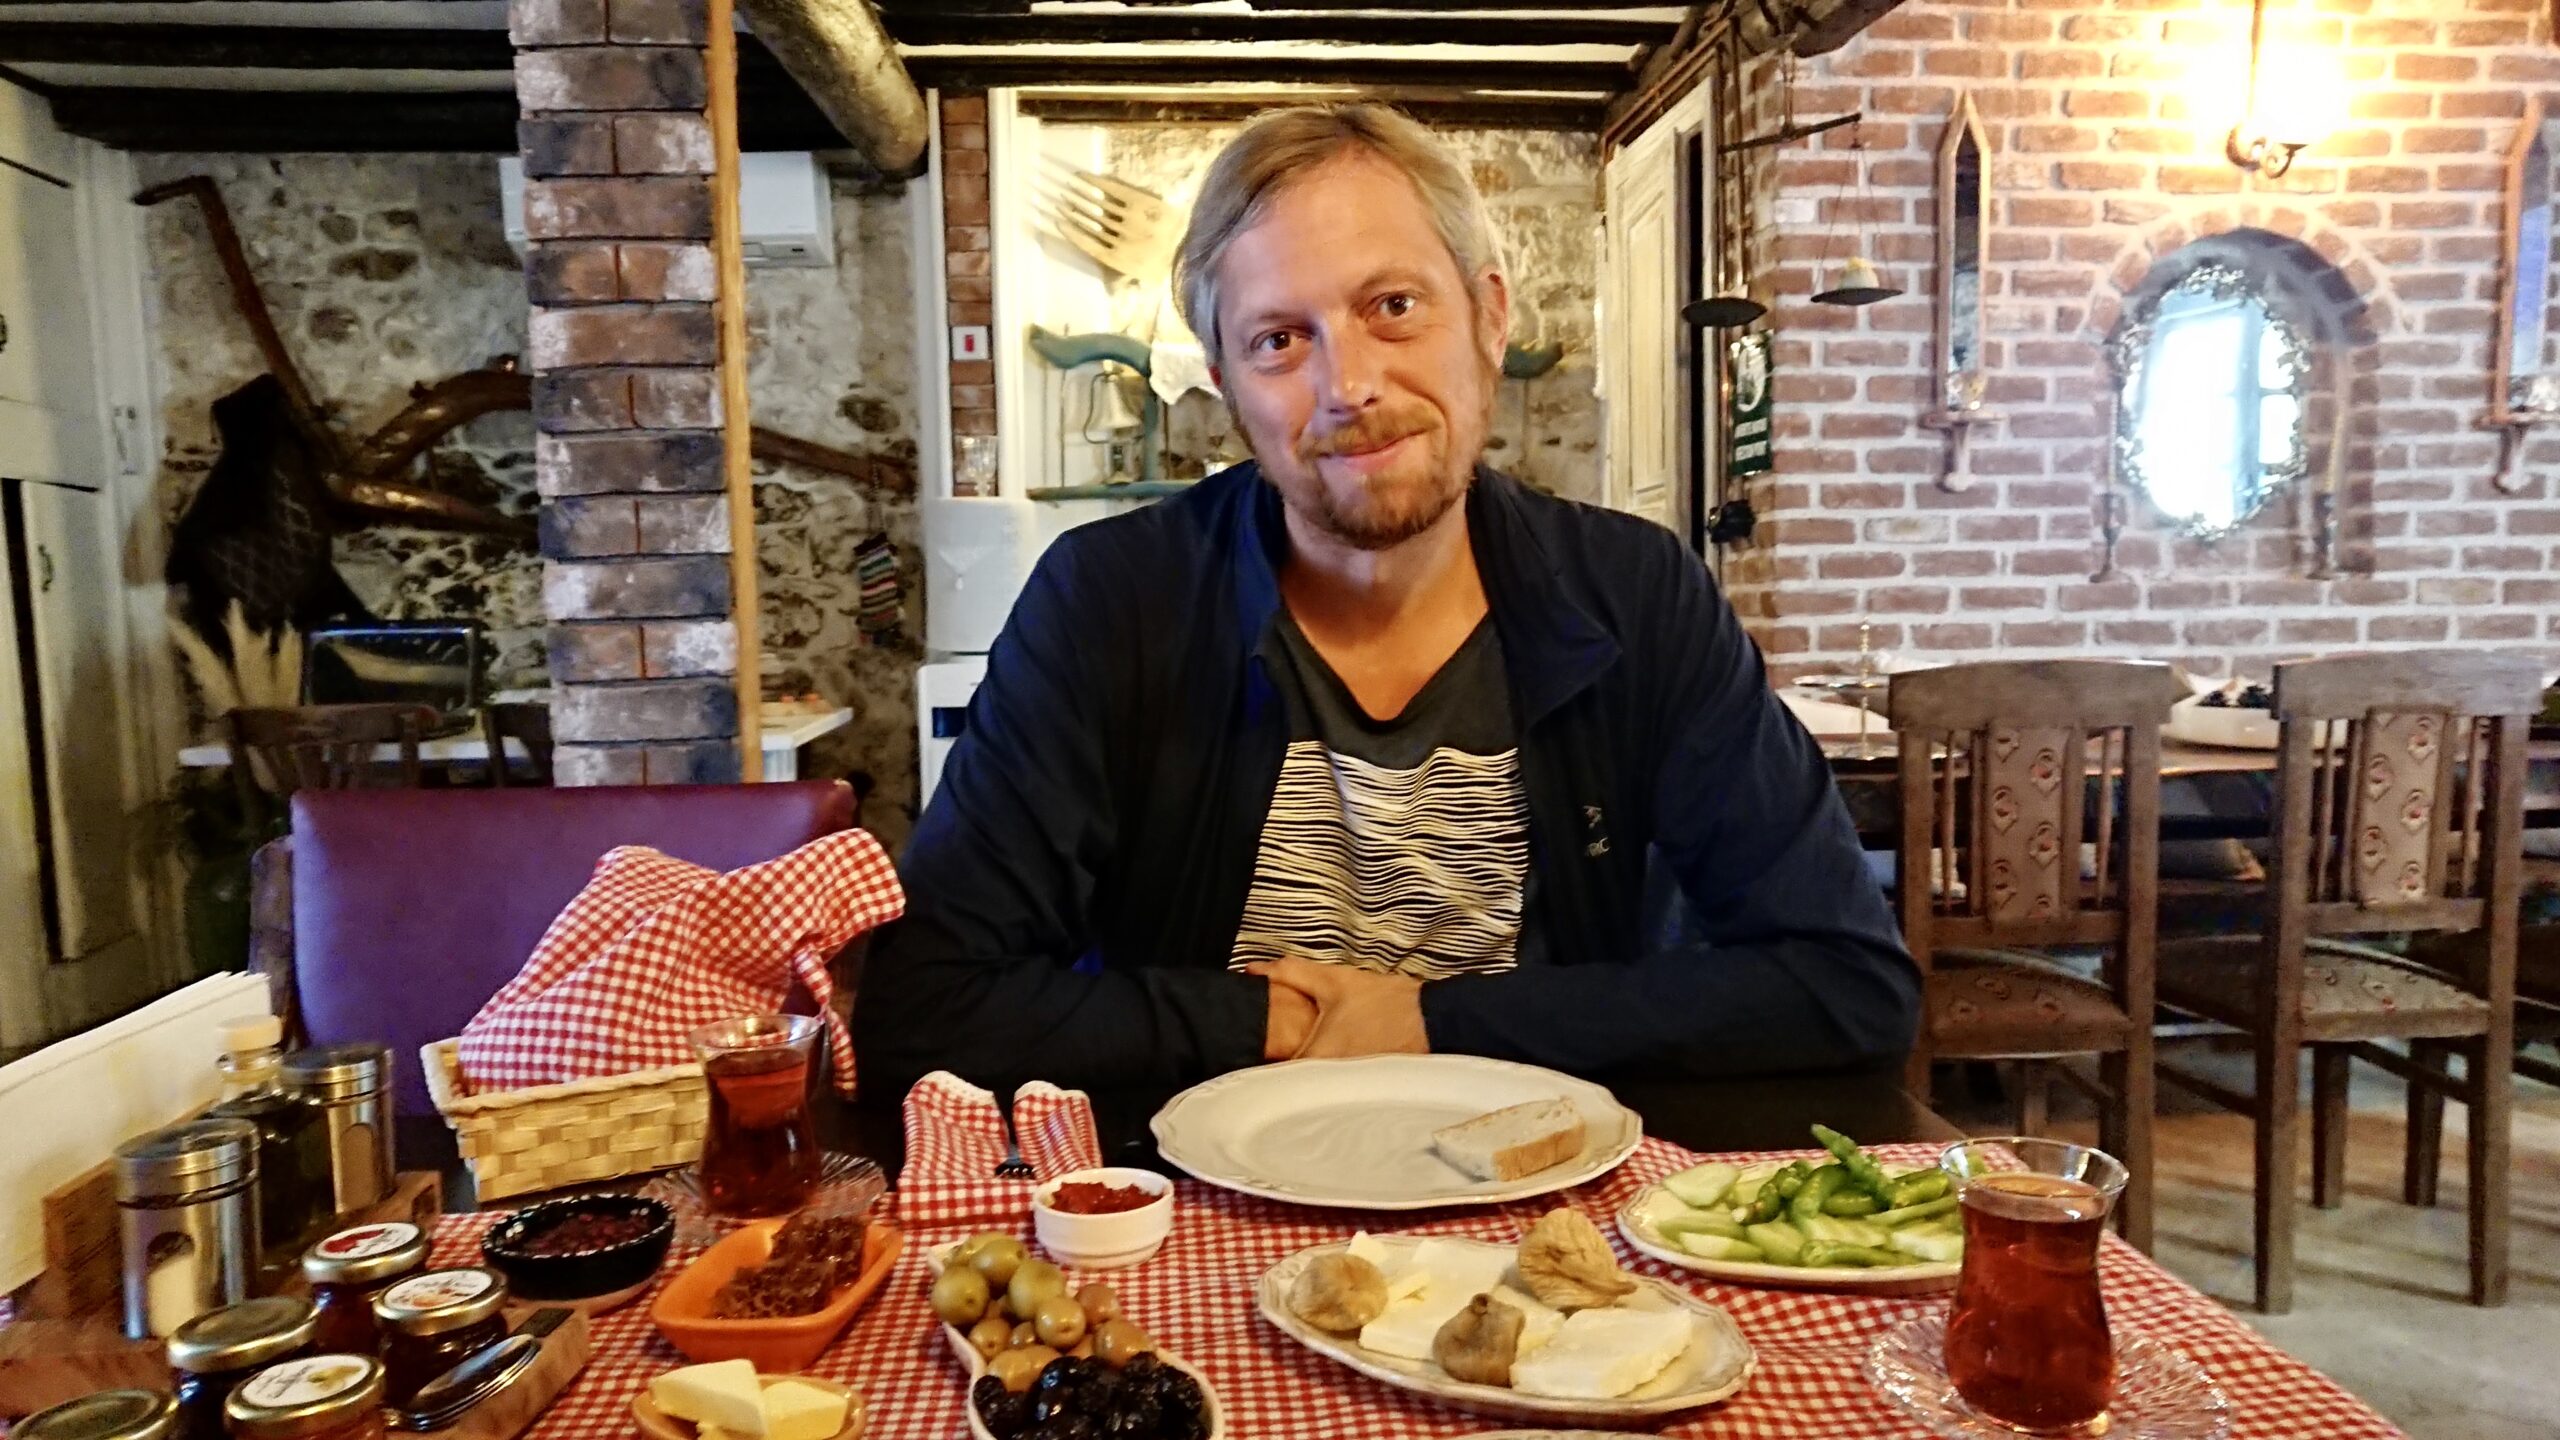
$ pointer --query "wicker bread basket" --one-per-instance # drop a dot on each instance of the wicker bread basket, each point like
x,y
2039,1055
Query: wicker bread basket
x,y
546,1136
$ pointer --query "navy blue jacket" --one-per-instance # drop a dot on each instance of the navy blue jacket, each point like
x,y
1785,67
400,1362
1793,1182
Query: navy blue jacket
x,y
1075,886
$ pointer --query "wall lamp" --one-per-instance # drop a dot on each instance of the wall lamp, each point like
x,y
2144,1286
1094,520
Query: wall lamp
x,y
2276,121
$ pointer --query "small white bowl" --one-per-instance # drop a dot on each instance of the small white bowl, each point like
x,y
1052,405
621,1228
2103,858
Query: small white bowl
x,y
1104,1242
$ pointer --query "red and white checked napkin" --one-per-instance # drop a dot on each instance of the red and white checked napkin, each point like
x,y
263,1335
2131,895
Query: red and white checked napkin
x,y
955,1140
655,946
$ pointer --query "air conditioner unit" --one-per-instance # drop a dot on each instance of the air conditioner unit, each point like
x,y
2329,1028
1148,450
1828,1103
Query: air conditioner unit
x,y
784,210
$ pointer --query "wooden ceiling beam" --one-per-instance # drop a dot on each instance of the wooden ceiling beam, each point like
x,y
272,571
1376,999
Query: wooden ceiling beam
x,y
234,47
478,122
947,27
973,72
1474,111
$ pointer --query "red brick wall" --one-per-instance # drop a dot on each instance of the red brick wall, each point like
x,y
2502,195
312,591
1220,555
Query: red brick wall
x,y
626,398
2106,153
968,262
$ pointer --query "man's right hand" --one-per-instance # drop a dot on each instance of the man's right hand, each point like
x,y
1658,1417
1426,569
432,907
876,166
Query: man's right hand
x,y
1293,1020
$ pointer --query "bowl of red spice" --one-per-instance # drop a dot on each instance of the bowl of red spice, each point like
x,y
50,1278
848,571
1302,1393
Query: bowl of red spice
x,y
1103,1219
582,1248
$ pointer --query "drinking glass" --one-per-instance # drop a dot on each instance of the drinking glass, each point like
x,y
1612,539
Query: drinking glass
x,y
760,1156
2027,1341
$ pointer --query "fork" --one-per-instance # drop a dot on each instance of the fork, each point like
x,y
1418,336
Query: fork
x,y
1122,227
1012,1166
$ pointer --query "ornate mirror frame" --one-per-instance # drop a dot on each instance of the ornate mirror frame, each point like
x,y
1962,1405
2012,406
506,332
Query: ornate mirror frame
x,y
1964,235
2523,391
2130,348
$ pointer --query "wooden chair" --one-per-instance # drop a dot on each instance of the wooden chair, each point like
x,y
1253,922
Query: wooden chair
x,y
322,747
2537,1021
2409,823
1996,865
527,725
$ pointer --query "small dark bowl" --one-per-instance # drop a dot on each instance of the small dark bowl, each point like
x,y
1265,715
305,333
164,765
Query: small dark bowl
x,y
584,1274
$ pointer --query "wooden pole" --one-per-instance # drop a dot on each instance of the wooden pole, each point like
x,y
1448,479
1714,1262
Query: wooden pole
x,y
731,310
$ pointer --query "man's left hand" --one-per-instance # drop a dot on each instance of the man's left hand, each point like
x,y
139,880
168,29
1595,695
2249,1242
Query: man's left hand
x,y
1358,1012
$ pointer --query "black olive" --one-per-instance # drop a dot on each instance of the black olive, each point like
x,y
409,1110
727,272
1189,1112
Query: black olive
x,y
1007,1415
1060,1374
2214,700
1142,1364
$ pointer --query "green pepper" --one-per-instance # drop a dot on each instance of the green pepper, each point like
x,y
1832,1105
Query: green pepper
x,y
1864,1172
1851,1203
1824,1252
1817,1188
1925,1210
1917,1188
1774,1193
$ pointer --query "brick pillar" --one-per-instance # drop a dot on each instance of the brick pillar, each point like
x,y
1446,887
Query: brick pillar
x,y
624,348
968,258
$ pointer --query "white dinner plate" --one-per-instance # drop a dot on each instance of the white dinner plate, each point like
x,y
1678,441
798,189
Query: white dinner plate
x,y
1356,1134
1717,1363
1914,1279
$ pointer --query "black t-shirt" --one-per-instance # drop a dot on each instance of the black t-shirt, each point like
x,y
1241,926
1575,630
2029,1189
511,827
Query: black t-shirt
x,y
1395,845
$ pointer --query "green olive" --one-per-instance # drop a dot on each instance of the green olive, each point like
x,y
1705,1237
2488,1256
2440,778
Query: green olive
x,y
998,1259
1099,1301
1021,1335
1117,1341
989,1336
1084,1348
960,1296
1060,1322
1018,1368
1033,1281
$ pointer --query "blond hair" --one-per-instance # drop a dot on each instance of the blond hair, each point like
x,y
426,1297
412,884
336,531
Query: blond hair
x,y
1277,148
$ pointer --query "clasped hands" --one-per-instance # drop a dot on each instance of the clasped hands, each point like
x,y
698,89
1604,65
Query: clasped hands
x,y
1323,1011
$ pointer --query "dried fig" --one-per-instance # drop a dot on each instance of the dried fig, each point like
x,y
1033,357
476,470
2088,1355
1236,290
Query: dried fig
x,y
1565,1263
1338,1292
1478,1343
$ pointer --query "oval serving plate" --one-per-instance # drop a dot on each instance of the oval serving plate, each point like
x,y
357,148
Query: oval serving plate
x,y
973,1365
1914,1279
1717,1363
1356,1134
682,1311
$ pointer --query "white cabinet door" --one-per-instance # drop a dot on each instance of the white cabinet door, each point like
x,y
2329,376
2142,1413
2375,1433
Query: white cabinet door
x,y
70,554
1641,345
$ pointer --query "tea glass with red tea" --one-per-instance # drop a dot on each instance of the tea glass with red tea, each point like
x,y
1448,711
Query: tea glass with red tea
x,y
2027,1341
760,1155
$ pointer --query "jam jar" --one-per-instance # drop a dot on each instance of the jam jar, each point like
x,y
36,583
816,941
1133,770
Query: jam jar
x,y
433,1322
107,1415
348,1270
315,1397
218,1349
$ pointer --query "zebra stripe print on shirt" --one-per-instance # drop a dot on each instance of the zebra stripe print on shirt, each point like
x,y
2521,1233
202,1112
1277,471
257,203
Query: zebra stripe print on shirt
x,y
1416,871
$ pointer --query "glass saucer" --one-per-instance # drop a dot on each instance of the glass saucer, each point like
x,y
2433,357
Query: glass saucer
x,y
847,1185
2160,1394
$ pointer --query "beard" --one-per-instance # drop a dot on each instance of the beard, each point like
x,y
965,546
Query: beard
x,y
1381,510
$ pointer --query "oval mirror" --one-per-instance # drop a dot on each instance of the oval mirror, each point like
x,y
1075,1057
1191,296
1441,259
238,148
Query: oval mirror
x,y
2210,382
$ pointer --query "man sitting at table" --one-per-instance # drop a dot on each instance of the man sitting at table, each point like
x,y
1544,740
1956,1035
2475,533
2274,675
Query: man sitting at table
x,y
1361,747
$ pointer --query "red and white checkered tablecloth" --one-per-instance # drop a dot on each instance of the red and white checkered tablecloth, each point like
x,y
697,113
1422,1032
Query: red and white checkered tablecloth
x,y
1196,1297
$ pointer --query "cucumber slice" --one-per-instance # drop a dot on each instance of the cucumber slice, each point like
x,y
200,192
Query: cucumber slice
x,y
1721,1247
1700,1186
1746,1186
1934,1244
1780,1243
1701,1222
1840,1230
1660,1208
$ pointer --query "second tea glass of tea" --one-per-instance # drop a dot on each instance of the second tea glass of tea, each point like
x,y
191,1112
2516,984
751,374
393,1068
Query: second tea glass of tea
x,y
760,1156
2027,1341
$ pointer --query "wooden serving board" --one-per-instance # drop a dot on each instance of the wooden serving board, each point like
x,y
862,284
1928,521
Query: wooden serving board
x,y
512,1411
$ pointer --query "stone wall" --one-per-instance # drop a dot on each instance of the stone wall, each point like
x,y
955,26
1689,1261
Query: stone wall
x,y
2106,130
389,270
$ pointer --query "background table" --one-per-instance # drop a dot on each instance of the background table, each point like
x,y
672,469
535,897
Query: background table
x,y
784,733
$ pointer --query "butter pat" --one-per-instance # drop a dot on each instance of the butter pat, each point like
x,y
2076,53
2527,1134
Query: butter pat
x,y
1603,1354
723,1394
796,1410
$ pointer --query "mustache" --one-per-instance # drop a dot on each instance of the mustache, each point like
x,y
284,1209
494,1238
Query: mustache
x,y
1372,431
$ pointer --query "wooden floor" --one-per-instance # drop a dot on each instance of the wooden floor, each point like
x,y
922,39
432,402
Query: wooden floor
x,y
2378,1303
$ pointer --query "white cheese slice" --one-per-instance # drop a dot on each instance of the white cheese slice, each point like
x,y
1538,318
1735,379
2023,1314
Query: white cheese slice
x,y
1408,1327
1603,1354
1538,1321
723,1394
796,1410
1469,1269
1365,1246
1403,1281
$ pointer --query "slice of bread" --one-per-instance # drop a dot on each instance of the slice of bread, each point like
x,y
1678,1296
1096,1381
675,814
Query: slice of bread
x,y
1510,1143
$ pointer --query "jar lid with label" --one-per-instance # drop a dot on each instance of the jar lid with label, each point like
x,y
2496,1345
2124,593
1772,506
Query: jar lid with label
x,y
107,1415
310,1396
186,1160
366,1254
441,1300
338,1072
243,1336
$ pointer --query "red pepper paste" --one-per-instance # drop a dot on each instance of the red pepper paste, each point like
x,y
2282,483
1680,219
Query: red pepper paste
x,y
1091,1198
